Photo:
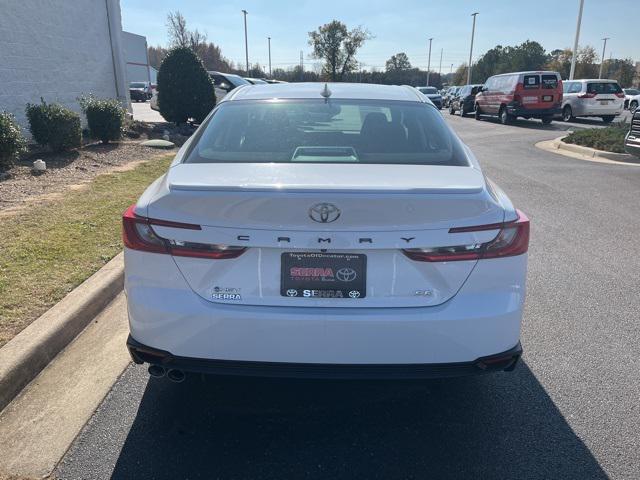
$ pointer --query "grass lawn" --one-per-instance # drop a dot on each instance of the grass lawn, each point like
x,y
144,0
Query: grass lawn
x,y
609,139
47,251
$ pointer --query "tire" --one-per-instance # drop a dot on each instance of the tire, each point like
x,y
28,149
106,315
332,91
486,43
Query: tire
x,y
547,120
477,113
633,106
462,112
567,113
504,117
608,118
452,110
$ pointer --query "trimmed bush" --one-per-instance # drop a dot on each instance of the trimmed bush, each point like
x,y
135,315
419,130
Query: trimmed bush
x,y
12,143
54,126
185,89
609,139
105,118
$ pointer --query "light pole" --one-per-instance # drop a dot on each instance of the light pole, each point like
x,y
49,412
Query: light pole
x,y
269,39
473,32
246,45
575,43
429,61
602,60
440,67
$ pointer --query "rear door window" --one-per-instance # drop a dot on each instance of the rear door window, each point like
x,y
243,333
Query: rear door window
x,y
576,87
531,82
549,82
603,88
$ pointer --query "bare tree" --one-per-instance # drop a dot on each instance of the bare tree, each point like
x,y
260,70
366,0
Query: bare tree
x,y
181,36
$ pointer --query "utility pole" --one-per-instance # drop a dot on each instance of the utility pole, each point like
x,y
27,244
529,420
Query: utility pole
x,y
440,67
451,69
429,62
602,59
269,39
473,32
301,67
246,45
575,43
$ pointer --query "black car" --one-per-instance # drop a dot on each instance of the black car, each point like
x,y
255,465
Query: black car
x,y
465,100
140,91
432,94
632,140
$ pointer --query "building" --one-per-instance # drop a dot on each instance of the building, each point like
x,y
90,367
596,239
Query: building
x,y
59,50
137,59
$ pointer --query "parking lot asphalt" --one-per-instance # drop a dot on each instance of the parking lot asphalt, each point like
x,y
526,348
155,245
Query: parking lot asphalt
x,y
569,411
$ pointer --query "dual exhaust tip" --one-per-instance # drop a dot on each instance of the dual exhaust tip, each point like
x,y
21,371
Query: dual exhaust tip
x,y
172,374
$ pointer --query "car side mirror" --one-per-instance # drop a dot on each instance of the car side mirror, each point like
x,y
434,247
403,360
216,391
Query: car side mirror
x,y
225,86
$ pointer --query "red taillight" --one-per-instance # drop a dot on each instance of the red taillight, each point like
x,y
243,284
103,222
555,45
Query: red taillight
x,y
620,94
587,95
512,239
138,234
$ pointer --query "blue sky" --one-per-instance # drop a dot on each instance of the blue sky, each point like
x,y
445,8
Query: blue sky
x,y
400,25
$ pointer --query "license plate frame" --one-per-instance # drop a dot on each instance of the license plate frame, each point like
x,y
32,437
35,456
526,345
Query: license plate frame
x,y
323,275
547,98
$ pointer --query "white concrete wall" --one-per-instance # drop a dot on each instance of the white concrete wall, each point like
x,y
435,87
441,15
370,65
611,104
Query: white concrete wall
x,y
59,50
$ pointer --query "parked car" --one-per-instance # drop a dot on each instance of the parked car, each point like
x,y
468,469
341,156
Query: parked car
x,y
631,101
463,102
432,94
271,80
243,260
629,94
255,81
225,82
632,140
153,103
521,94
449,94
140,91
592,98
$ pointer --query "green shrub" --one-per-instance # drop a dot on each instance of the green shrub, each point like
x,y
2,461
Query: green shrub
x,y
12,143
185,89
609,139
54,126
105,117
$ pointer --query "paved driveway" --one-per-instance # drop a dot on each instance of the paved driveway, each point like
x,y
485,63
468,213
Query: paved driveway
x,y
570,411
142,111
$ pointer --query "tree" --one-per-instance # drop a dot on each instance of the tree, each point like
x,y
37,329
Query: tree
x,y
156,55
460,75
399,61
337,46
185,89
621,70
181,36
560,61
526,56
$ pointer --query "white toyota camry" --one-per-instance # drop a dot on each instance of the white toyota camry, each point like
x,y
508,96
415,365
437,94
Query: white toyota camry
x,y
314,230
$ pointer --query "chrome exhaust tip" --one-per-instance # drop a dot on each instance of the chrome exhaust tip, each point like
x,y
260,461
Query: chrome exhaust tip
x,y
156,371
177,376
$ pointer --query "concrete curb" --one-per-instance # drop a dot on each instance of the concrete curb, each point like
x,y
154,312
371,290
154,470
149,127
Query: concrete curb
x,y
586,153
24,357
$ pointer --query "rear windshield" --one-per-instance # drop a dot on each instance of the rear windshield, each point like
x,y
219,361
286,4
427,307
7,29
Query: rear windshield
x,y
631,91
337,131
603,87
549,81
531,82
136,85
428,90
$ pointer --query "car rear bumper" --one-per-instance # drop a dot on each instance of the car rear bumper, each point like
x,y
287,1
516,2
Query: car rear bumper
x,y
483,318
520,111
632,146
504,361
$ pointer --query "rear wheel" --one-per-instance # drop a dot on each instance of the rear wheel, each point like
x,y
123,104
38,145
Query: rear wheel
x,y
608,118
567,113
633,106
547,120
452,110
462,111
476,112
504,117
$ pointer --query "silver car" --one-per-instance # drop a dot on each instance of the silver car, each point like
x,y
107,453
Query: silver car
x,y
592,98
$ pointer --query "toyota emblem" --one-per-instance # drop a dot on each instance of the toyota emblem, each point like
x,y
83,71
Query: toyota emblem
x,y
324,213
346,274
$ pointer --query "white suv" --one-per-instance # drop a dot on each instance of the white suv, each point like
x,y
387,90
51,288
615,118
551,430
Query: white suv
x,y
316,230
592,98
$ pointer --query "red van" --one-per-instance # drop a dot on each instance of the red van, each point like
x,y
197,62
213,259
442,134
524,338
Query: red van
x,y
521,94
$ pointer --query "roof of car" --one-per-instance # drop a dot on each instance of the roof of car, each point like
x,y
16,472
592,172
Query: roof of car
x,y
311,90
601,80
530,72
